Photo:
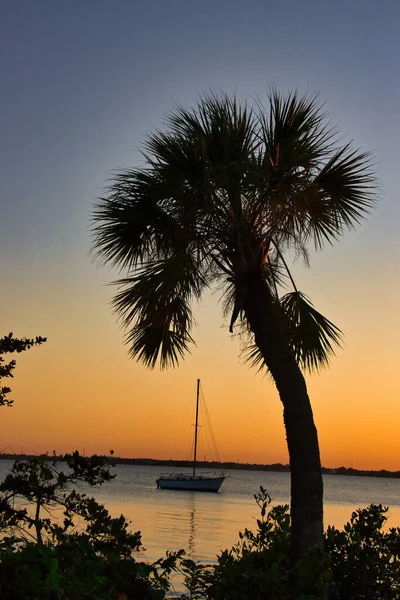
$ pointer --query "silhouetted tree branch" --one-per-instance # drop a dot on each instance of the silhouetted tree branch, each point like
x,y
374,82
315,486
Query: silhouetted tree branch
x,y
8,345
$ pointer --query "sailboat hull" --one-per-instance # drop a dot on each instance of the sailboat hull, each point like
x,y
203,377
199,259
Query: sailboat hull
x,y
187,482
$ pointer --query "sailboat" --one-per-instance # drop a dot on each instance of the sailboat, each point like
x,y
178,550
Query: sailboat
x,y
193,481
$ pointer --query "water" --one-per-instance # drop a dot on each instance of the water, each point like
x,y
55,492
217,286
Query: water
x,y
204,524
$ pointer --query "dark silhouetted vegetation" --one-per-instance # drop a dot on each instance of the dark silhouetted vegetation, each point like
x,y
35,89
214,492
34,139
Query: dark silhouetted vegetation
x,y
57,543
9,345
359,563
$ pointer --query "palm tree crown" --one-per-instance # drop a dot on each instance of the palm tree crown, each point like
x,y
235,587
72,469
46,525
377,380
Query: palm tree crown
x,y
226,193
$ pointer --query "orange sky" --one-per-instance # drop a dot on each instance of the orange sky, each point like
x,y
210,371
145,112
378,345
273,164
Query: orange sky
x,y
80,390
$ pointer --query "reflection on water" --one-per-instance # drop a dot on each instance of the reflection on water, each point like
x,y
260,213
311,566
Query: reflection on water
x,y
191,545
180,519
205,523
192,536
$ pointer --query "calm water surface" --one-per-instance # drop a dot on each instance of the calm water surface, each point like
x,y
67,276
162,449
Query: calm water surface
x,y
204,524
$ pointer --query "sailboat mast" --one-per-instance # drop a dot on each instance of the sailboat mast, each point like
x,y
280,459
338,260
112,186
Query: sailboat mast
x,y
196,428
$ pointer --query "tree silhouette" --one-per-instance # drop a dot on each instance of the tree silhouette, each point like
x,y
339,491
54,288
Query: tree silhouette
x,y
227,195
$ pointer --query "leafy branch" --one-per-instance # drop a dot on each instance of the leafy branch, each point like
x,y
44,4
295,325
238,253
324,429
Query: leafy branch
x,y
9,345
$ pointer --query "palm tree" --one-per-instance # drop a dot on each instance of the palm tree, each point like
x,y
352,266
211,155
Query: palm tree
x,y
227,192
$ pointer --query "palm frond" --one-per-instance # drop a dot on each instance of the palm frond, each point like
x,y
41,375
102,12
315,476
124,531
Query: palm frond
x,y
297,130
311,336
304,182
252,355
342,194
131,223
207,149
296,136
222,185
166,339
154,306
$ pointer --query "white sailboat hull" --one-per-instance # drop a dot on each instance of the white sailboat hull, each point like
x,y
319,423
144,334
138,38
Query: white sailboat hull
x,y
198,483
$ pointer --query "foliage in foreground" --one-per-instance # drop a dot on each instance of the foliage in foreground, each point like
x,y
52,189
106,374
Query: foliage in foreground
x,y
60,544
360,562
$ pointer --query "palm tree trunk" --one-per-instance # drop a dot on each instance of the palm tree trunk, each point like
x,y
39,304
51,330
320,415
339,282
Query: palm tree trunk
x,y
301,433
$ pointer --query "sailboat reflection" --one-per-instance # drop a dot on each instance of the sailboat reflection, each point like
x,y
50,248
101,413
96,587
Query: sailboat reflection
x,y
202,520
192,522
191,514
192,533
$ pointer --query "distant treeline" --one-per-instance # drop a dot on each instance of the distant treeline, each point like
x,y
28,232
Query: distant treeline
x,y
278,467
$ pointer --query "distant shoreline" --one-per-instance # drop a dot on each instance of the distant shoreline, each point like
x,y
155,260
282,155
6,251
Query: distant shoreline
x,y
277,467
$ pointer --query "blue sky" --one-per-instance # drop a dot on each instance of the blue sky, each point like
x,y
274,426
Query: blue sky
x,y
82,83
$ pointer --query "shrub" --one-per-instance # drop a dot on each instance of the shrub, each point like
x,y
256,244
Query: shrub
x,y
60,544
365,559
360,562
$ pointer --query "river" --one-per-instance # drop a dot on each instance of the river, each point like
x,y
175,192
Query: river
x,y
205,523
